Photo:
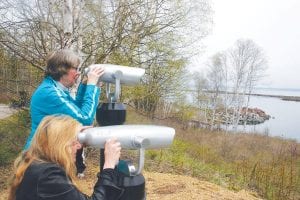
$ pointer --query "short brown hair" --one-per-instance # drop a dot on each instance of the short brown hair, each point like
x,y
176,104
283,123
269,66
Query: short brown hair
x,y
59,62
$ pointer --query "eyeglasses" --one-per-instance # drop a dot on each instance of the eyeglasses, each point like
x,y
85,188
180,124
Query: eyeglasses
x,y
76,68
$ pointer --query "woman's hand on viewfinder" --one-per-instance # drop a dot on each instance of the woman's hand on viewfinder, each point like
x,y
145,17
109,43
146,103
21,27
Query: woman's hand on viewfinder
x,y
112,153
94,74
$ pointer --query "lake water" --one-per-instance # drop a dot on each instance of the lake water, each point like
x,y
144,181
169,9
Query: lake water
x,y
285,115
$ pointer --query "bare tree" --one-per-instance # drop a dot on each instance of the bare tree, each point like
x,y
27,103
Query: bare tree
x,y
68,21
30,32
158,35
249,65
217,77
256,71
104,27
200,96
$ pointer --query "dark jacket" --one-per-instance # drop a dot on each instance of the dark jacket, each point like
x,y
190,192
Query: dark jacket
x,y
49,181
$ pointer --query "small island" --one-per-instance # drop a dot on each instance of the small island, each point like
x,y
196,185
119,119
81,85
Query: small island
x,y
253,116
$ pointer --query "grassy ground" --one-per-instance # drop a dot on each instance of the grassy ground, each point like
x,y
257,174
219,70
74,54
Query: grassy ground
x,y
13,132
267,166
159,186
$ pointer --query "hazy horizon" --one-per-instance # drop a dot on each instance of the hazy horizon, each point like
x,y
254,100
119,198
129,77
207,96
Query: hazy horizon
x,y
271,24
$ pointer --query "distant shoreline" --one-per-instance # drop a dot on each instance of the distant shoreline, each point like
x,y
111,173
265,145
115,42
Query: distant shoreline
x,y
282,97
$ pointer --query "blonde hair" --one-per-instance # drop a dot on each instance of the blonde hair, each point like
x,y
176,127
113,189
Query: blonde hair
x,y
51,143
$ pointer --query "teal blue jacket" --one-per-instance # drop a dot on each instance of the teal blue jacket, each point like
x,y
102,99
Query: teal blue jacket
x,y
52,98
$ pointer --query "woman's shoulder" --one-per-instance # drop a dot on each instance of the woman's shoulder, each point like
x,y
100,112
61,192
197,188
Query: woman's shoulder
x,y
48,172
46,88
52,180
43,164
42,167
40,171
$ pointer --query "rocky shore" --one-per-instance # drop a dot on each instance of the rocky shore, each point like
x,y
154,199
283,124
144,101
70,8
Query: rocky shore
x,y
249,116
253,116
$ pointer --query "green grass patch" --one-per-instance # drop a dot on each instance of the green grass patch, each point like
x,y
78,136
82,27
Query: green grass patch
x,y
13,133
191,159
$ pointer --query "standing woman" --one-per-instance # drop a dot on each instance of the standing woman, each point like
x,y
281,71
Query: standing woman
x,y
47,170
53,94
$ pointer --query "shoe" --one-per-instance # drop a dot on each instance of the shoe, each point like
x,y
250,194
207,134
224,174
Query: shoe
x,y
80,175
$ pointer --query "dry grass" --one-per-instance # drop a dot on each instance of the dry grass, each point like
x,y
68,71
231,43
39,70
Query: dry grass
x,y
268,166
161,186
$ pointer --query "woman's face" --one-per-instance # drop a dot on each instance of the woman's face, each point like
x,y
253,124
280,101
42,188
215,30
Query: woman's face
x,y
69,79
75,146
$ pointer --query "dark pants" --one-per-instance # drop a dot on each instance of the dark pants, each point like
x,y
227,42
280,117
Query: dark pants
x,y
80,166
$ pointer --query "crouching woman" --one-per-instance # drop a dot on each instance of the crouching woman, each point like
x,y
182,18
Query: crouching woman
x,y
47,169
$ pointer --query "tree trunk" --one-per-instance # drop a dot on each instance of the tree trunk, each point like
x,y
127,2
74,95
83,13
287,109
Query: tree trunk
x,y
68,23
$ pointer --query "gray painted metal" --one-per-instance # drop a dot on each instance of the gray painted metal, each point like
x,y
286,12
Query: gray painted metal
x,y
130,136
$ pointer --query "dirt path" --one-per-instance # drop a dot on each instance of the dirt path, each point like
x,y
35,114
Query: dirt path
x,y
5,111
176,187
159,186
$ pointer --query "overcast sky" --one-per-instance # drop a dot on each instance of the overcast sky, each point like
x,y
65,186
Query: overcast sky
x,y
274,25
